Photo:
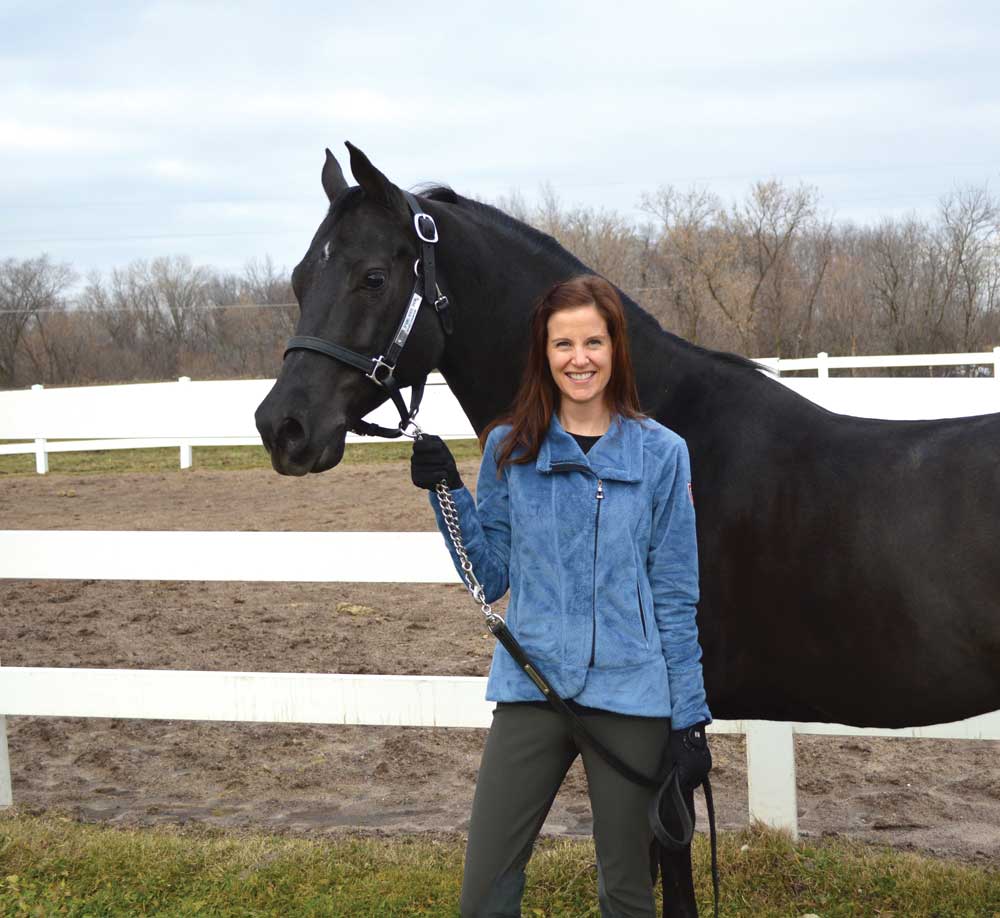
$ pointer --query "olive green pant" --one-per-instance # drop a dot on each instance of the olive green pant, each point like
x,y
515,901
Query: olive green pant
x,y
528,752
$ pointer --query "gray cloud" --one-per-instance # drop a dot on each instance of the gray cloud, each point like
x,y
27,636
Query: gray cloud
x,y
199,127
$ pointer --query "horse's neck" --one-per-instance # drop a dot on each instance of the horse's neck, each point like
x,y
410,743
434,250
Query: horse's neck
x,y
492,282
493,279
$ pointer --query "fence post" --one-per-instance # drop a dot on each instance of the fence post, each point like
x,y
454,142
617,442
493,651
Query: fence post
x,y
41,455
6,793
771,775
823,367
187,459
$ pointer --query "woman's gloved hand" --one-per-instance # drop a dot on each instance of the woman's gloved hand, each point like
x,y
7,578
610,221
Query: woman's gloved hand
x,y
689,752
432,462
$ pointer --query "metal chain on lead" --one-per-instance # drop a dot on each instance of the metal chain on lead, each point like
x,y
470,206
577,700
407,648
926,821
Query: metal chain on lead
x,y
450,513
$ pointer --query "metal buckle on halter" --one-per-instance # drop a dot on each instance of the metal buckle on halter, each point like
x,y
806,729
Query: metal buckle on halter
x,y
373,373
432,236
410,429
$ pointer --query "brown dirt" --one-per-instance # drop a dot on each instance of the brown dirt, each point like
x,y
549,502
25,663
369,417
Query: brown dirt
x,y
938,796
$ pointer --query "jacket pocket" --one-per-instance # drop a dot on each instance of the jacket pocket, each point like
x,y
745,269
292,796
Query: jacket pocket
x,y
642,612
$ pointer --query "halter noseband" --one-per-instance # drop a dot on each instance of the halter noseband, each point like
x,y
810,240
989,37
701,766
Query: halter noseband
x,y
382,369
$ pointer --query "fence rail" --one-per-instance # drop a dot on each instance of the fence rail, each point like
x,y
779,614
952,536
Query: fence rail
x,y
823,362
326,557
414,701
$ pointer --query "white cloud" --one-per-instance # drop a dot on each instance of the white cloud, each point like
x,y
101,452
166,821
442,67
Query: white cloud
x,y
176,169
19,136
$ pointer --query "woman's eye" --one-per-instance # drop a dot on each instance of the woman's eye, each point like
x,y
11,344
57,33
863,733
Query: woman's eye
x,y
374,279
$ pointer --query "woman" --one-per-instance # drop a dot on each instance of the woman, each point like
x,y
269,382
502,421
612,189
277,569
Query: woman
x,y
584,511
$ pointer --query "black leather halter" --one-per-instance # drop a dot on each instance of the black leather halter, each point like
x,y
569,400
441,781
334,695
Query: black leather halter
x,y
382,369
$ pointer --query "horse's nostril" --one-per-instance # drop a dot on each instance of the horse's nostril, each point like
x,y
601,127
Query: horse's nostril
x,y
289,431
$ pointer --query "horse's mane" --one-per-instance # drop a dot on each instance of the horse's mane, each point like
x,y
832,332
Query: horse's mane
x,y
540,242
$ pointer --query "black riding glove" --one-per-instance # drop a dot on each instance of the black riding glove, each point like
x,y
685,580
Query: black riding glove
x,y
689,752
432,462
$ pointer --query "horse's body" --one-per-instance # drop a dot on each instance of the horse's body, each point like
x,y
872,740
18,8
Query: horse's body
x,y
848,567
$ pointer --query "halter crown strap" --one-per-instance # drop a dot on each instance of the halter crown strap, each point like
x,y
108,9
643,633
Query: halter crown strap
x,y
427,233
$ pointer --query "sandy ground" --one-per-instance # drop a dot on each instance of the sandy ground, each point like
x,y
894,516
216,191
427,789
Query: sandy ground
x,y
937,796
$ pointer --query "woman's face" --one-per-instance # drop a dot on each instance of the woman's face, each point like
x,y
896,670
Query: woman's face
x,y
579,352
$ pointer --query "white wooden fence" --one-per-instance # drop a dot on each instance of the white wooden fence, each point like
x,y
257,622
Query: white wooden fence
x,y
188,414
183,414
416,701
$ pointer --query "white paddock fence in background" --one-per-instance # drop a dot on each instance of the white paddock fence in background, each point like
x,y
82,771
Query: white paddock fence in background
x,y
181,414
186,414
411,701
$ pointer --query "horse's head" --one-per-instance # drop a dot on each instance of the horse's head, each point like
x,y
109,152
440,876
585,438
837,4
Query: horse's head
x,y
353,286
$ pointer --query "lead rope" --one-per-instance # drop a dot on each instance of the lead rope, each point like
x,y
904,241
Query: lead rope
x,y
450,513
497,628
710,806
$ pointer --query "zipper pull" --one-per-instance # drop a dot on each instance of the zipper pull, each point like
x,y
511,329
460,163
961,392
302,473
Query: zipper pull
x,y
600,489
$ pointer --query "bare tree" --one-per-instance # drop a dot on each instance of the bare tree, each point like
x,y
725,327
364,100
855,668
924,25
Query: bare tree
x,y
253,315
28,287
969,229
152,312
760,265
688,262
60,347
767,227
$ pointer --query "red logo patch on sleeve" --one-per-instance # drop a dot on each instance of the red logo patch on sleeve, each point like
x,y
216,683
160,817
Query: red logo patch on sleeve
x,y
691,493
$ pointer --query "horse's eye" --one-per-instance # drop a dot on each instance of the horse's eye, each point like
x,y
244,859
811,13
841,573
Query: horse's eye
x,y
374,279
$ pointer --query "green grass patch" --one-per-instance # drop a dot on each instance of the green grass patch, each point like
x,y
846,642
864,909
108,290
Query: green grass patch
x,y
167,459
53,866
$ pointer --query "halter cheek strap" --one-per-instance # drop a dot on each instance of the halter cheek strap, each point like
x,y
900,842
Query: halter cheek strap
x,y
382,369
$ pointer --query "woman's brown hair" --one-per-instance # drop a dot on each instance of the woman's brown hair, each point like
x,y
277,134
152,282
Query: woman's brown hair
x,y
538,395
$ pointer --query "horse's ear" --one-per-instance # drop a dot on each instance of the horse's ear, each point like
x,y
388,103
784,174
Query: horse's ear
x,y
333,178
374,183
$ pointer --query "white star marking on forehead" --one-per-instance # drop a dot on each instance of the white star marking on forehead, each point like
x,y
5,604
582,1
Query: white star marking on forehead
x,y
326,251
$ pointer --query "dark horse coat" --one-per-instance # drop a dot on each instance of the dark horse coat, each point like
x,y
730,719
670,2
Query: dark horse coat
x,y
848,566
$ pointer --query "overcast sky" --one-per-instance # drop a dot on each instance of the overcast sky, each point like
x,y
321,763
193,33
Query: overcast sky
x,y
129,130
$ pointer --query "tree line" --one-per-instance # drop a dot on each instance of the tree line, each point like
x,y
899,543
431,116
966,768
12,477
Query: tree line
x,y
769,275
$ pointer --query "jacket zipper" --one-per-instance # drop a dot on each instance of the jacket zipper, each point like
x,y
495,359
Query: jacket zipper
x,y
597,526
599,496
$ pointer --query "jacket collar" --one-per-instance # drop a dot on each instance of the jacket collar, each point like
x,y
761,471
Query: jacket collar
x,y
616,456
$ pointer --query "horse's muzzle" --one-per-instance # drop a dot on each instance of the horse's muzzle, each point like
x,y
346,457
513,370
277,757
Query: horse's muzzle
x,y
296,446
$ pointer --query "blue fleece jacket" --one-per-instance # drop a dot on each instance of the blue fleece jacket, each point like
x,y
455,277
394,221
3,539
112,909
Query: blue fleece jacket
x,y
600,555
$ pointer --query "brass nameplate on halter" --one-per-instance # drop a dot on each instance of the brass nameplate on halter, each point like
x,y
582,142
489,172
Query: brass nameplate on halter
x,y
538,680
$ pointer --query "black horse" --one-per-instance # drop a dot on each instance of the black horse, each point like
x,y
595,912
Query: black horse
x,y
849,566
